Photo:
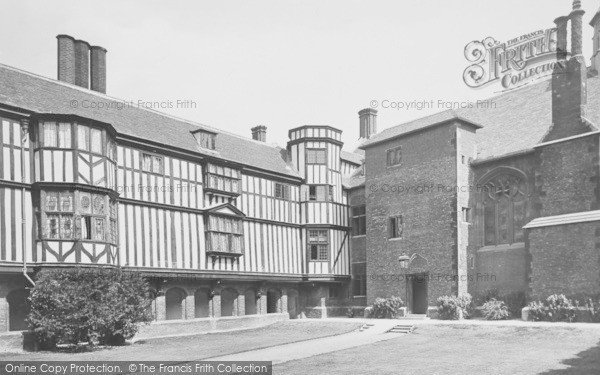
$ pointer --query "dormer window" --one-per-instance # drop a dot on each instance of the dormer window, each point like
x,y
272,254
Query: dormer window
x,y
206,140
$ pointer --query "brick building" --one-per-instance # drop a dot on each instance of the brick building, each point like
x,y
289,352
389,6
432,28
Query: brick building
x,y
502,199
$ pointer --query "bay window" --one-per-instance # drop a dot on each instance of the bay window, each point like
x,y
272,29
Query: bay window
x,y
225,234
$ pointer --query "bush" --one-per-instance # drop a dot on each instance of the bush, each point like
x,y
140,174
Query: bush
x,y
560,308
537,311
515,301
453,307
556,308
76,305
386,308
593,309
495,310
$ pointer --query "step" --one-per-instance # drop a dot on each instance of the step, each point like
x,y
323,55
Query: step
x,y
402,328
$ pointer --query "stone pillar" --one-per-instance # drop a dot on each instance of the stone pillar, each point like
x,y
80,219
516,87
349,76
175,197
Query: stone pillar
x,y
216,305
284,301
190,307
3,314
261,305
241,302
161,306
323,305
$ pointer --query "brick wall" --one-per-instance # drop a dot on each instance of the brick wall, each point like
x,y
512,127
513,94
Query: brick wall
x,y
565,259
428,160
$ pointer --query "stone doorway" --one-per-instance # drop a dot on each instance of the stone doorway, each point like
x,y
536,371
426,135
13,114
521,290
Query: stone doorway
x,y
416,293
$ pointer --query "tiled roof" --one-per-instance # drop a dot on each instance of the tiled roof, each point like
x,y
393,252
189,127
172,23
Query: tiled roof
x,y
42,95
356,179
517,121
352,157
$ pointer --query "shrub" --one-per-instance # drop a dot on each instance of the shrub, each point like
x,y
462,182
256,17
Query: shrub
x,y
495,310
556,308
103,305
515,301
386,308
560,308
537,311
453,307
593,309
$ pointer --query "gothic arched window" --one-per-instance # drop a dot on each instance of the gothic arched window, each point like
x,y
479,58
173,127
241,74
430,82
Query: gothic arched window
x,y
504,209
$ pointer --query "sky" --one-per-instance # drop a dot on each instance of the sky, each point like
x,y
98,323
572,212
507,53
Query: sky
x,y
279,63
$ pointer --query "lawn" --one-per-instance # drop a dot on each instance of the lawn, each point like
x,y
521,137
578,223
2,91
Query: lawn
x,y
199,347
465,349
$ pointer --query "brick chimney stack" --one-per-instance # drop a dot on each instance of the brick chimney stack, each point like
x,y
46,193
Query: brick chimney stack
x,y
259,133
66,58
595,23
82,63
368,122
569,80
98,69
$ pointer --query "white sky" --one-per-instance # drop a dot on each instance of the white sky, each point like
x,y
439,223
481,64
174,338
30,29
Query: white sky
x,y
278,63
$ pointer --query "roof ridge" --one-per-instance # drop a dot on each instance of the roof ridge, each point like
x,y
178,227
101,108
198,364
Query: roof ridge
x,y
99,94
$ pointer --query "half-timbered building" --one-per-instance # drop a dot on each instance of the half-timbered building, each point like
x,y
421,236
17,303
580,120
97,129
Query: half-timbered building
x,y
220,224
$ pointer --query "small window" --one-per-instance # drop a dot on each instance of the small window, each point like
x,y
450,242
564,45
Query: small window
x,y
396,226
320,193
152,164
316,156
466,214
83,137
64,135
50,134
282,191
394,156
206,140
96,140
318,245
359,221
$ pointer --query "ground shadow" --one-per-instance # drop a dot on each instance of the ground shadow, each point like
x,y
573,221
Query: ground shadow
x,y
586,362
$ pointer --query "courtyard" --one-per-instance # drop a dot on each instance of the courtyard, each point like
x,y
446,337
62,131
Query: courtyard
x,y
336,346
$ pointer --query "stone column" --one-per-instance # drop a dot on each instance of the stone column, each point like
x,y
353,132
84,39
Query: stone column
x,y
4,324
216,304
241,302
284,301
190,307
161,306
261,305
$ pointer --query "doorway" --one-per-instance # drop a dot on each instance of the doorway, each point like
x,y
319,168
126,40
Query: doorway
x,y
417,293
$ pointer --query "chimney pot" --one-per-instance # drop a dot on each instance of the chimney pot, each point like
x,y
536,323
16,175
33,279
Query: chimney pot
x,y
66,58
82,63
368,122
259,133
98,69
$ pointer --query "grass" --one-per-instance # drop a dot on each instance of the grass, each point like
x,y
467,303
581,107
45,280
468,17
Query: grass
x,y
431,349
463,349
199,347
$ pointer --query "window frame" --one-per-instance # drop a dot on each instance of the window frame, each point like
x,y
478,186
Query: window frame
x,y
357,219
231,234
393,227
319,245
153,158
317,152
327,193
282,191
397,156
